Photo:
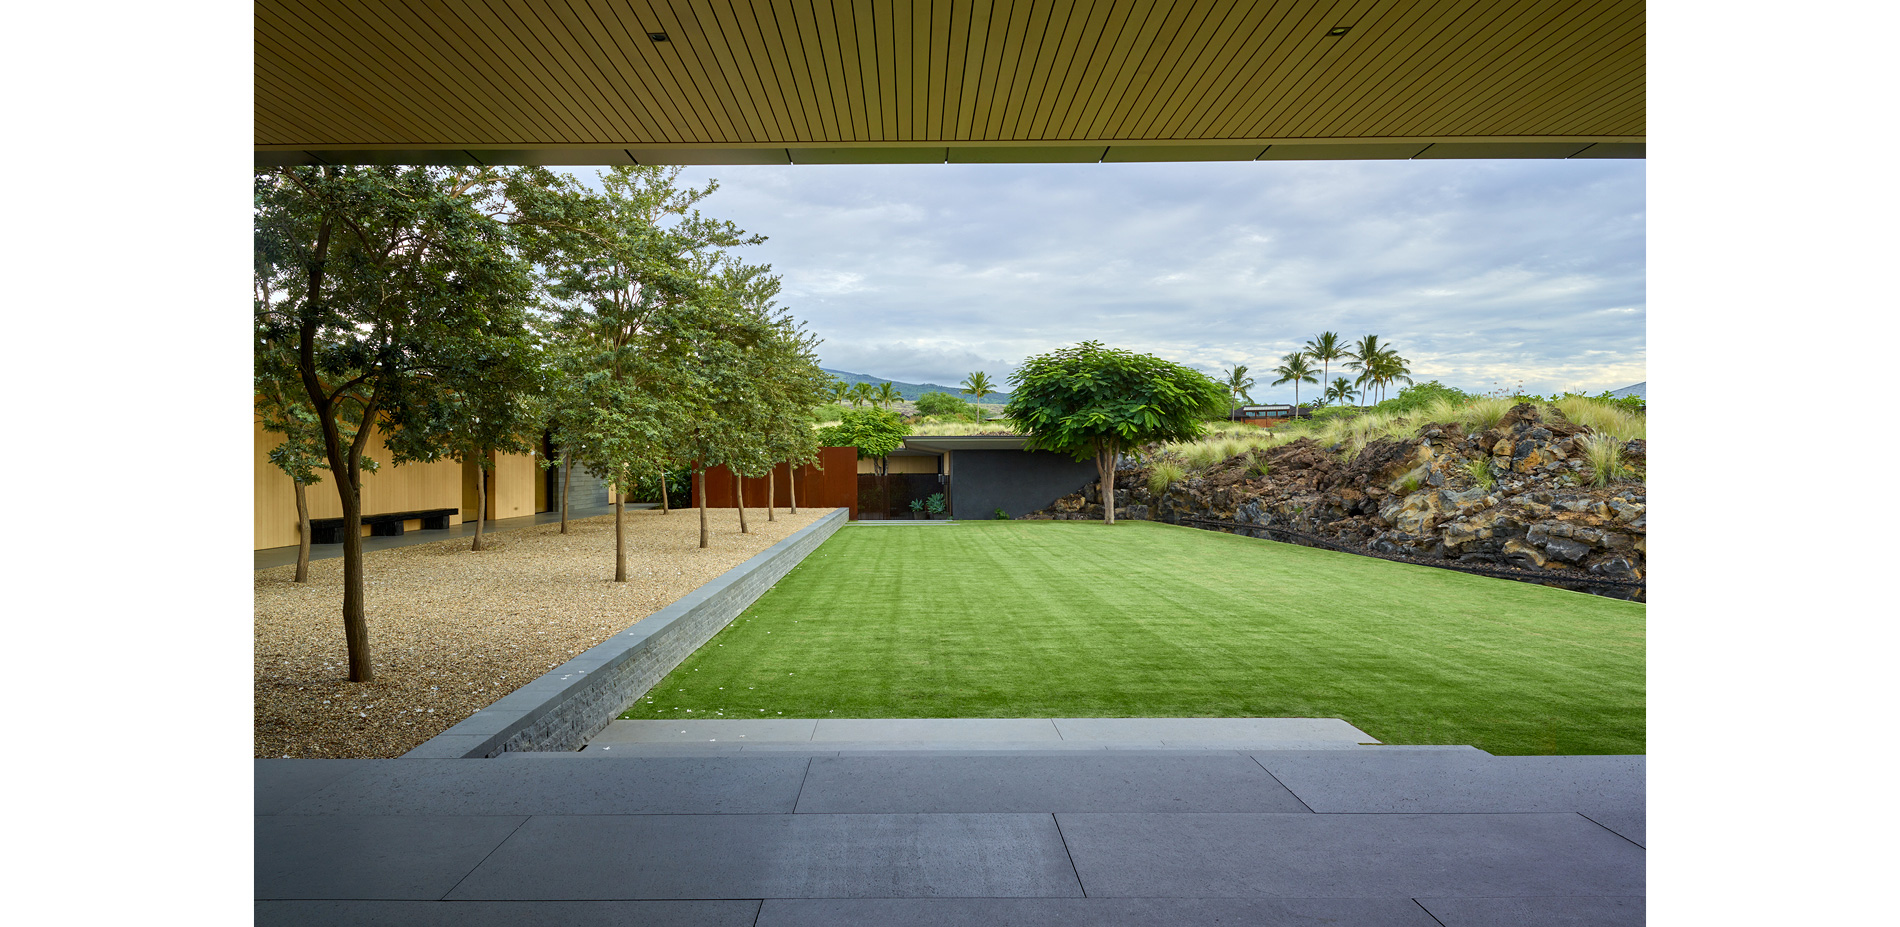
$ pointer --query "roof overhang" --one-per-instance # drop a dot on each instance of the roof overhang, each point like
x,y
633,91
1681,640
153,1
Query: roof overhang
x,y
938,444
583,82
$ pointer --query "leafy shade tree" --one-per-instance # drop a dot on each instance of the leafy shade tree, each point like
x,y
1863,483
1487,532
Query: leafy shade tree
x,y
978,385
875,433
493,407
1295,369
394,278
1238,383
1089,399
627,276
1326,348
283,408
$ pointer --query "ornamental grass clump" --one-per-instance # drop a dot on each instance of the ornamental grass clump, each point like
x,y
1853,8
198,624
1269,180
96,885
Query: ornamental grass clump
x,y
1603,418
1485,413
1604,454
1480,470
1164,473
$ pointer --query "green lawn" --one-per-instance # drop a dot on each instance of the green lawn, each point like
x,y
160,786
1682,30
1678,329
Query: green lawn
x,y
1076,619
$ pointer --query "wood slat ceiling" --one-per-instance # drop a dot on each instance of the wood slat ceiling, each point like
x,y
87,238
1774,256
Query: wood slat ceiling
x,y
772,81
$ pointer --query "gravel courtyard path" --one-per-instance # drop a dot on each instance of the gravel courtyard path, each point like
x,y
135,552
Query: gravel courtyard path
x,y
452,630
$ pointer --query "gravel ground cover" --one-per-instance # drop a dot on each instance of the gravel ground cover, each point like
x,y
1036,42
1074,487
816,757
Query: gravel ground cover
x,y
452,630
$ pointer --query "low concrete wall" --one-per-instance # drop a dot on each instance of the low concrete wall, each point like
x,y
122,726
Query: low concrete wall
x,y
574,701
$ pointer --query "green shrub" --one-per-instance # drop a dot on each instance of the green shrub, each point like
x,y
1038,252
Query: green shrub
x,y
937,403
1001,515
934,504
1486,413
829,412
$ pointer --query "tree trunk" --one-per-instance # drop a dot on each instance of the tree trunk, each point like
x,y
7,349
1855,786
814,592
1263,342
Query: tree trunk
x,y
1105,468
567,480
738,497
303,535
664,510
771,492
791,484
355,627
703,534
481,503
620,547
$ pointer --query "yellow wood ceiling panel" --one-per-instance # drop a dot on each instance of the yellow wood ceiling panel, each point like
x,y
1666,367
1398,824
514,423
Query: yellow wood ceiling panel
x,y
543,76
685,64
370,105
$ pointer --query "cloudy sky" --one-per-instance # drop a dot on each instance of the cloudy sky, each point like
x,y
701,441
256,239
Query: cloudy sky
x,y
1481,273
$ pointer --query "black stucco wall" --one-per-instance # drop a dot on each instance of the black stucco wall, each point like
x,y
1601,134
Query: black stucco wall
x,y
1018,482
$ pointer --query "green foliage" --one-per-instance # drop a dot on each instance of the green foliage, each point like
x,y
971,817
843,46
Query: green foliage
x,y
934,504
828,412
1089,399
874,432
916,506
1423,395
935,403
1001,515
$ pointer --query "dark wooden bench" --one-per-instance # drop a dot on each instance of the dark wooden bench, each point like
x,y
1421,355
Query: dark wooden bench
x,y
388,525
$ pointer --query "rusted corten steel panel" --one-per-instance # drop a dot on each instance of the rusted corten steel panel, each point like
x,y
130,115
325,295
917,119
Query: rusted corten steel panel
x,y
834,486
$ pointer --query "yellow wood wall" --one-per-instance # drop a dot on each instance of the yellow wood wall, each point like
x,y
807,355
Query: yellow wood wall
x,y
511,486
389,489
901,465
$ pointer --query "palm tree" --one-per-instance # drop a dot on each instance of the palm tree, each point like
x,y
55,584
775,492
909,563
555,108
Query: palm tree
x,y
861,393
978,384
840,392
1340,391
1392,369
1361,357
1295,369
887,395
1238,383
1326,348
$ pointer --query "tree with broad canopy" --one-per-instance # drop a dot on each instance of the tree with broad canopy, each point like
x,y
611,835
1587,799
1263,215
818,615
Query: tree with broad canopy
x,y
1090,400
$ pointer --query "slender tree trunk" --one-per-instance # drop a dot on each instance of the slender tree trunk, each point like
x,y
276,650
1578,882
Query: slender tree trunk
x,y
567,480
355,626
1105,467
481,503
303,535
738,496
620,545
791,484
704,535
663,506
771,491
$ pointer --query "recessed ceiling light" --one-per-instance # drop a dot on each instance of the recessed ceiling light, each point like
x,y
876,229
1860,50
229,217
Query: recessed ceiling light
x,y
657,36
1337,31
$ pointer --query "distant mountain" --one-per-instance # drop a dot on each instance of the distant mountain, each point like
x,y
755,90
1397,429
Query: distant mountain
x,y
911,391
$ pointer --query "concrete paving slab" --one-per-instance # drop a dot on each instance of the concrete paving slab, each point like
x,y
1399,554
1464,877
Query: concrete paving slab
x,y
279,784
778,856
649,732
350,856
1440,783
652,785
1094,912
1348,855
1630,824
958,783
862,730
1545,912
506,913
1224,730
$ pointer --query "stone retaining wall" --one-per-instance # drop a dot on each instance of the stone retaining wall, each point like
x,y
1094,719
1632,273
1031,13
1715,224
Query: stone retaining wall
x,y
572,702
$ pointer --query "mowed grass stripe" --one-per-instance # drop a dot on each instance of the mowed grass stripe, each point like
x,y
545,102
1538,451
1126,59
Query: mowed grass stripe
x,y
1077,619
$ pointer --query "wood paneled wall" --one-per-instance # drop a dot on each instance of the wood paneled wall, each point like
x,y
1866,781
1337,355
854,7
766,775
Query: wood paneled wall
x,y
390,489
834,486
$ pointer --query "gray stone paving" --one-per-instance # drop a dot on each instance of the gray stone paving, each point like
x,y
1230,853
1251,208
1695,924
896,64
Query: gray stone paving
x,y
1161,830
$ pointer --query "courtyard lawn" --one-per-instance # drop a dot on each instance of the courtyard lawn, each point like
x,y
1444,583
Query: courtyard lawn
x,y
1077,619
